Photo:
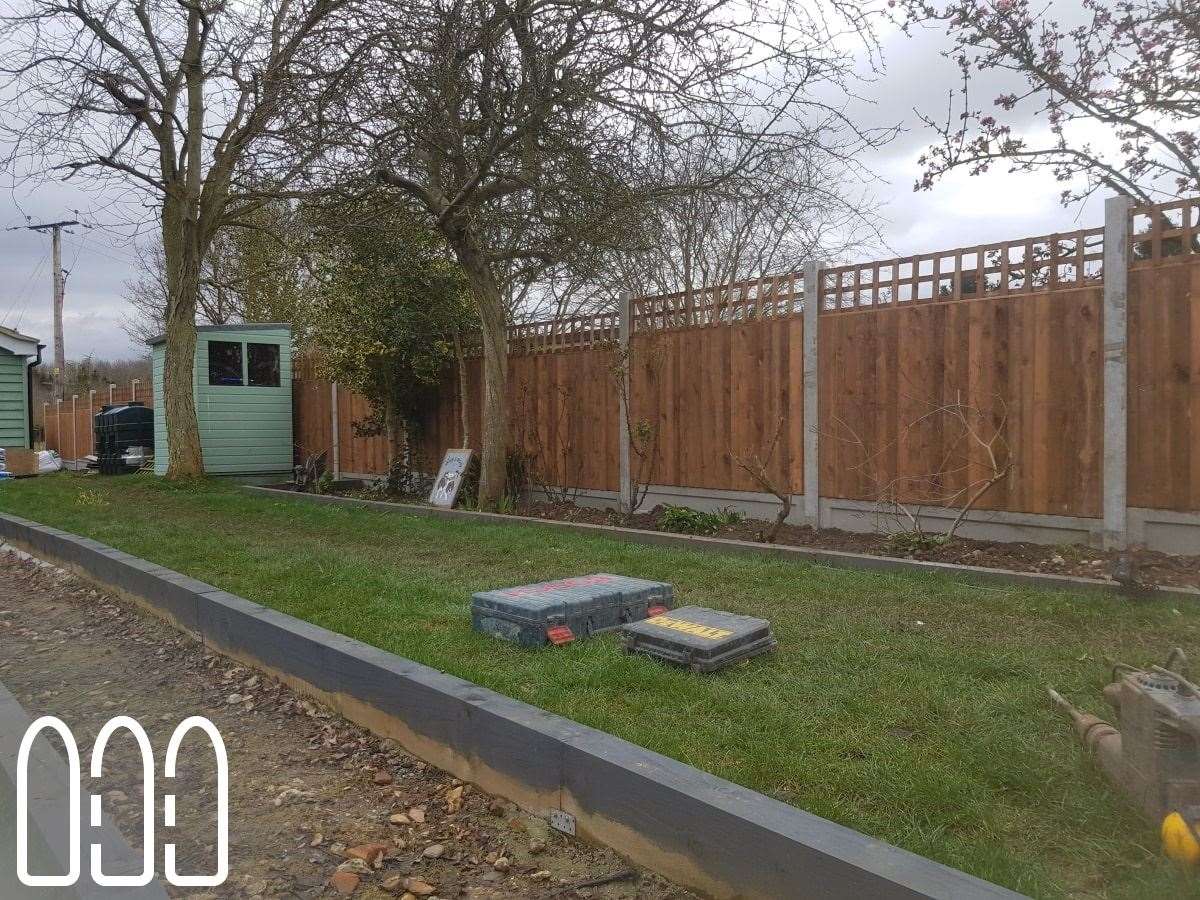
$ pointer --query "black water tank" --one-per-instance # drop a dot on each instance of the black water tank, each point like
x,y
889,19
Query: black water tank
x,y
117,428
100,429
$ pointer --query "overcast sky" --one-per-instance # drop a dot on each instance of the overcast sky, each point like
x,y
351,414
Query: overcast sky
x,y
959,211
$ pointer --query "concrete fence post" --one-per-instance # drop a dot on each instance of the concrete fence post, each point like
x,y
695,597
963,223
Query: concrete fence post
x,y
624,334
334,434
812,431
1116,359
74,426
91,432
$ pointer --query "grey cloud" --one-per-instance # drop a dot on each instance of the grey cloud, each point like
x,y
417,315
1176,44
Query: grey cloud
x,y
960,211
99,259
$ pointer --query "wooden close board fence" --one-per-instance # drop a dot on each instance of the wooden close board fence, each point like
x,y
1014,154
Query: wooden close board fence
x,y
716,394
1013,330
1033,363
1164,383
69,427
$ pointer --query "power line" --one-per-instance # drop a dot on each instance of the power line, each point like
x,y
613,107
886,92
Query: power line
x,y
78,248
29,294
25,287
26,293
107,252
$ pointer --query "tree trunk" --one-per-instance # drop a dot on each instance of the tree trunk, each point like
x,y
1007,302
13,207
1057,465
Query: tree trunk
x,y
184,458
399,471
785,510
493,320
464,409
493,468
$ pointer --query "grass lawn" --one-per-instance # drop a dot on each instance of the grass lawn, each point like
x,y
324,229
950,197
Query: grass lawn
x,y
910,708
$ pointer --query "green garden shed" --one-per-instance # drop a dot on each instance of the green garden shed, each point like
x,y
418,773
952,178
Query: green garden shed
x,y
18,354
243,381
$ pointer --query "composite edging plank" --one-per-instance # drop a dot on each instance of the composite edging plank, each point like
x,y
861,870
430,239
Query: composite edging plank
x,y
700,830
48,779
834,558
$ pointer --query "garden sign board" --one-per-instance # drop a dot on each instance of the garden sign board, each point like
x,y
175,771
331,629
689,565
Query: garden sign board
x,y
450,478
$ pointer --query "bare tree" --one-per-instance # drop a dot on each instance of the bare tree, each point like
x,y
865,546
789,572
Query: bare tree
x,y
794,206
1132,66
180,99
253,272
534,132
148,294
975,458
762,469
644,436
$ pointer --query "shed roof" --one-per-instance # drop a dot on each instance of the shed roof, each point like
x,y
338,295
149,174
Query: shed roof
x,y
239,326
17,343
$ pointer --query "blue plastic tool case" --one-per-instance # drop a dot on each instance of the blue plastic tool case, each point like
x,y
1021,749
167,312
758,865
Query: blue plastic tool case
x,y
559,611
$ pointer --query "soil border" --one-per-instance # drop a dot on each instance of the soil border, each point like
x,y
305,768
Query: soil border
x,y
834,558
701,831
49,836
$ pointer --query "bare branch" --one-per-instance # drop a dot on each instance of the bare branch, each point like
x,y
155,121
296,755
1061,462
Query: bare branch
x,y
1128,66
759,468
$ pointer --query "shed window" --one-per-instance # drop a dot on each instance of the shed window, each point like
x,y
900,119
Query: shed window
x,y
224,362
264,364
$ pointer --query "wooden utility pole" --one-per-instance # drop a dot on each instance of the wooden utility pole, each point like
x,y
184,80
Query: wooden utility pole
x,y
60,351
60,358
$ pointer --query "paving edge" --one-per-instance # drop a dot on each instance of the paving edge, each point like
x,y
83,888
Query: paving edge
x,y
833,558
701,831
48,779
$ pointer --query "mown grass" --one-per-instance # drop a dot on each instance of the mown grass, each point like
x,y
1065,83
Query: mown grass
x,y
910,708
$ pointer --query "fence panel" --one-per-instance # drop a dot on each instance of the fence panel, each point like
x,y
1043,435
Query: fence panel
x,y
311,426
565,416
71,432
440,428
1164,360
1029,363
716,394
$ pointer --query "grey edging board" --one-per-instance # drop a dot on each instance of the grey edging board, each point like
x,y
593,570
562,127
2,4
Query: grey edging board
x,y
834,558
48,779
704,832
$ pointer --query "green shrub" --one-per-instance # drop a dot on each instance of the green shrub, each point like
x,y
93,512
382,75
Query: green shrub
x,y
727,516
915,541
685,520
324,483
